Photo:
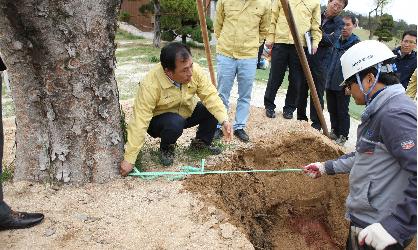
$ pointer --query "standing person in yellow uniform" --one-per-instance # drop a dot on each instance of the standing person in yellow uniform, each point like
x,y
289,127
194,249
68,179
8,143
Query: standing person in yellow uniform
x,y
240,28
307,14
411,90
166,104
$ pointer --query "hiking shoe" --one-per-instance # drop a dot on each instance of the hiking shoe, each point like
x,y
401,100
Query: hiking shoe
x,y
341,140
199,144
218,134
242,135
167,155
287,115
332,135
270,113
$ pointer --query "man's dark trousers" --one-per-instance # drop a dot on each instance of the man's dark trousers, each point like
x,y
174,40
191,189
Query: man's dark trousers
x,y
169,126
319,76
284,55
337,103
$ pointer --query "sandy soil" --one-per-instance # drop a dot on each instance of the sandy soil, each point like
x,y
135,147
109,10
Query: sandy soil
x,y
239,211
244,211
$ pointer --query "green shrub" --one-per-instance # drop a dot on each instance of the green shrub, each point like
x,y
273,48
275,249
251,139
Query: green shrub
x,y
124,16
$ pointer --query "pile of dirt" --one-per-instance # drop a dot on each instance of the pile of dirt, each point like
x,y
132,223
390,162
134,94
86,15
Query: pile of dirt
x,y
273,211
282,210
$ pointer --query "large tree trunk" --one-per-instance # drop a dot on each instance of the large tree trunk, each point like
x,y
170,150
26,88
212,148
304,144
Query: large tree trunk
x,y
60,59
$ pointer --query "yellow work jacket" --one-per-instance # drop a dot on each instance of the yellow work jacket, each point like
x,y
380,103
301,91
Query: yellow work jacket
x,y
307,15
240,27
411,90
157,94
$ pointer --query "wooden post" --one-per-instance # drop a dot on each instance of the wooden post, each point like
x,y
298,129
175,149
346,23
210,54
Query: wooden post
x,y
203,26
304,63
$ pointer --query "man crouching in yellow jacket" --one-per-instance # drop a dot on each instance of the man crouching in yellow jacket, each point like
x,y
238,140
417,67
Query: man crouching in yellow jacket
x,y
166,103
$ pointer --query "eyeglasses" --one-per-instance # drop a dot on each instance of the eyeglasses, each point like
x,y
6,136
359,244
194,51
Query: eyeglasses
x,y
338,5
409,42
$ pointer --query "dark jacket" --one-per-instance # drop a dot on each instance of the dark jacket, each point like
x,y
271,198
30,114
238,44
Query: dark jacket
x,y
2,66
335,74
331,31
405,65
383,169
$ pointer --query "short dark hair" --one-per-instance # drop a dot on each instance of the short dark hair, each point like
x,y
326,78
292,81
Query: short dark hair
x,y
352,18
410,33
385,78
171,52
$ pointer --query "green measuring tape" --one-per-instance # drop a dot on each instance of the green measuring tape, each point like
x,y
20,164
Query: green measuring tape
x,y
189,170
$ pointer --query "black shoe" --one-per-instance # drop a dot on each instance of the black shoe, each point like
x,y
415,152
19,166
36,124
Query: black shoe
x,y
316,126
332,135
20,220
302,118
167,155
198,144
287,115
270,113
218,134
242,135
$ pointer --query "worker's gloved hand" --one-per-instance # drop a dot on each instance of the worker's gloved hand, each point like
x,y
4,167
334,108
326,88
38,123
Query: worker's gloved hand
x,y
314,170
376,236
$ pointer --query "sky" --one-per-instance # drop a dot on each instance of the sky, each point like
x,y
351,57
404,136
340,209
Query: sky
x,y
399,9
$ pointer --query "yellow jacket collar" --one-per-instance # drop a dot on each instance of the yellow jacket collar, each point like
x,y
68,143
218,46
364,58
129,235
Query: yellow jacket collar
x,y
163,78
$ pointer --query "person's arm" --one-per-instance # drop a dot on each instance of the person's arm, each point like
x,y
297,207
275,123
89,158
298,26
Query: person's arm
x,y
315,26
275,11
401,142
265,23
341,165
219,18
331,39
411,90
144,105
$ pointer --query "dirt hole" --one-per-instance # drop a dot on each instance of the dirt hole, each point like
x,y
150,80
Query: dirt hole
x,y
282,210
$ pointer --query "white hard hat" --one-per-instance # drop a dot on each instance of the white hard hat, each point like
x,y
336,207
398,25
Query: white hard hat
x,y
362,56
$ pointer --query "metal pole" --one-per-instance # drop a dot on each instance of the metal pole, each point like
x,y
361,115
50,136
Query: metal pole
x,y
203,26
304,63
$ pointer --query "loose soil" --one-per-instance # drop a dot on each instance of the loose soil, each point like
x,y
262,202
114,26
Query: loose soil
x,y
232,211
281,211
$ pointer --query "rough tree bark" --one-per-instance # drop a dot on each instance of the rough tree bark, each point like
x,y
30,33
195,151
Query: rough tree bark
x,y
157,26
60,59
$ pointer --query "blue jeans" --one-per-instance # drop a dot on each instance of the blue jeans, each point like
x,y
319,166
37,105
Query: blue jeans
x,y
244,70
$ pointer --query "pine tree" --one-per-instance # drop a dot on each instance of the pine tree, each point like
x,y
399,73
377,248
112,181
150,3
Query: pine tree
x,y
384,30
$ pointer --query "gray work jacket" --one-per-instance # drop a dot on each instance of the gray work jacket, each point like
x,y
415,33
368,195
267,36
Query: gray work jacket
x,y
383,181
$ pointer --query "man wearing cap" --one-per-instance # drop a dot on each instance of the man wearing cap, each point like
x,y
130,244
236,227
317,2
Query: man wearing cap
x,y
382,203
